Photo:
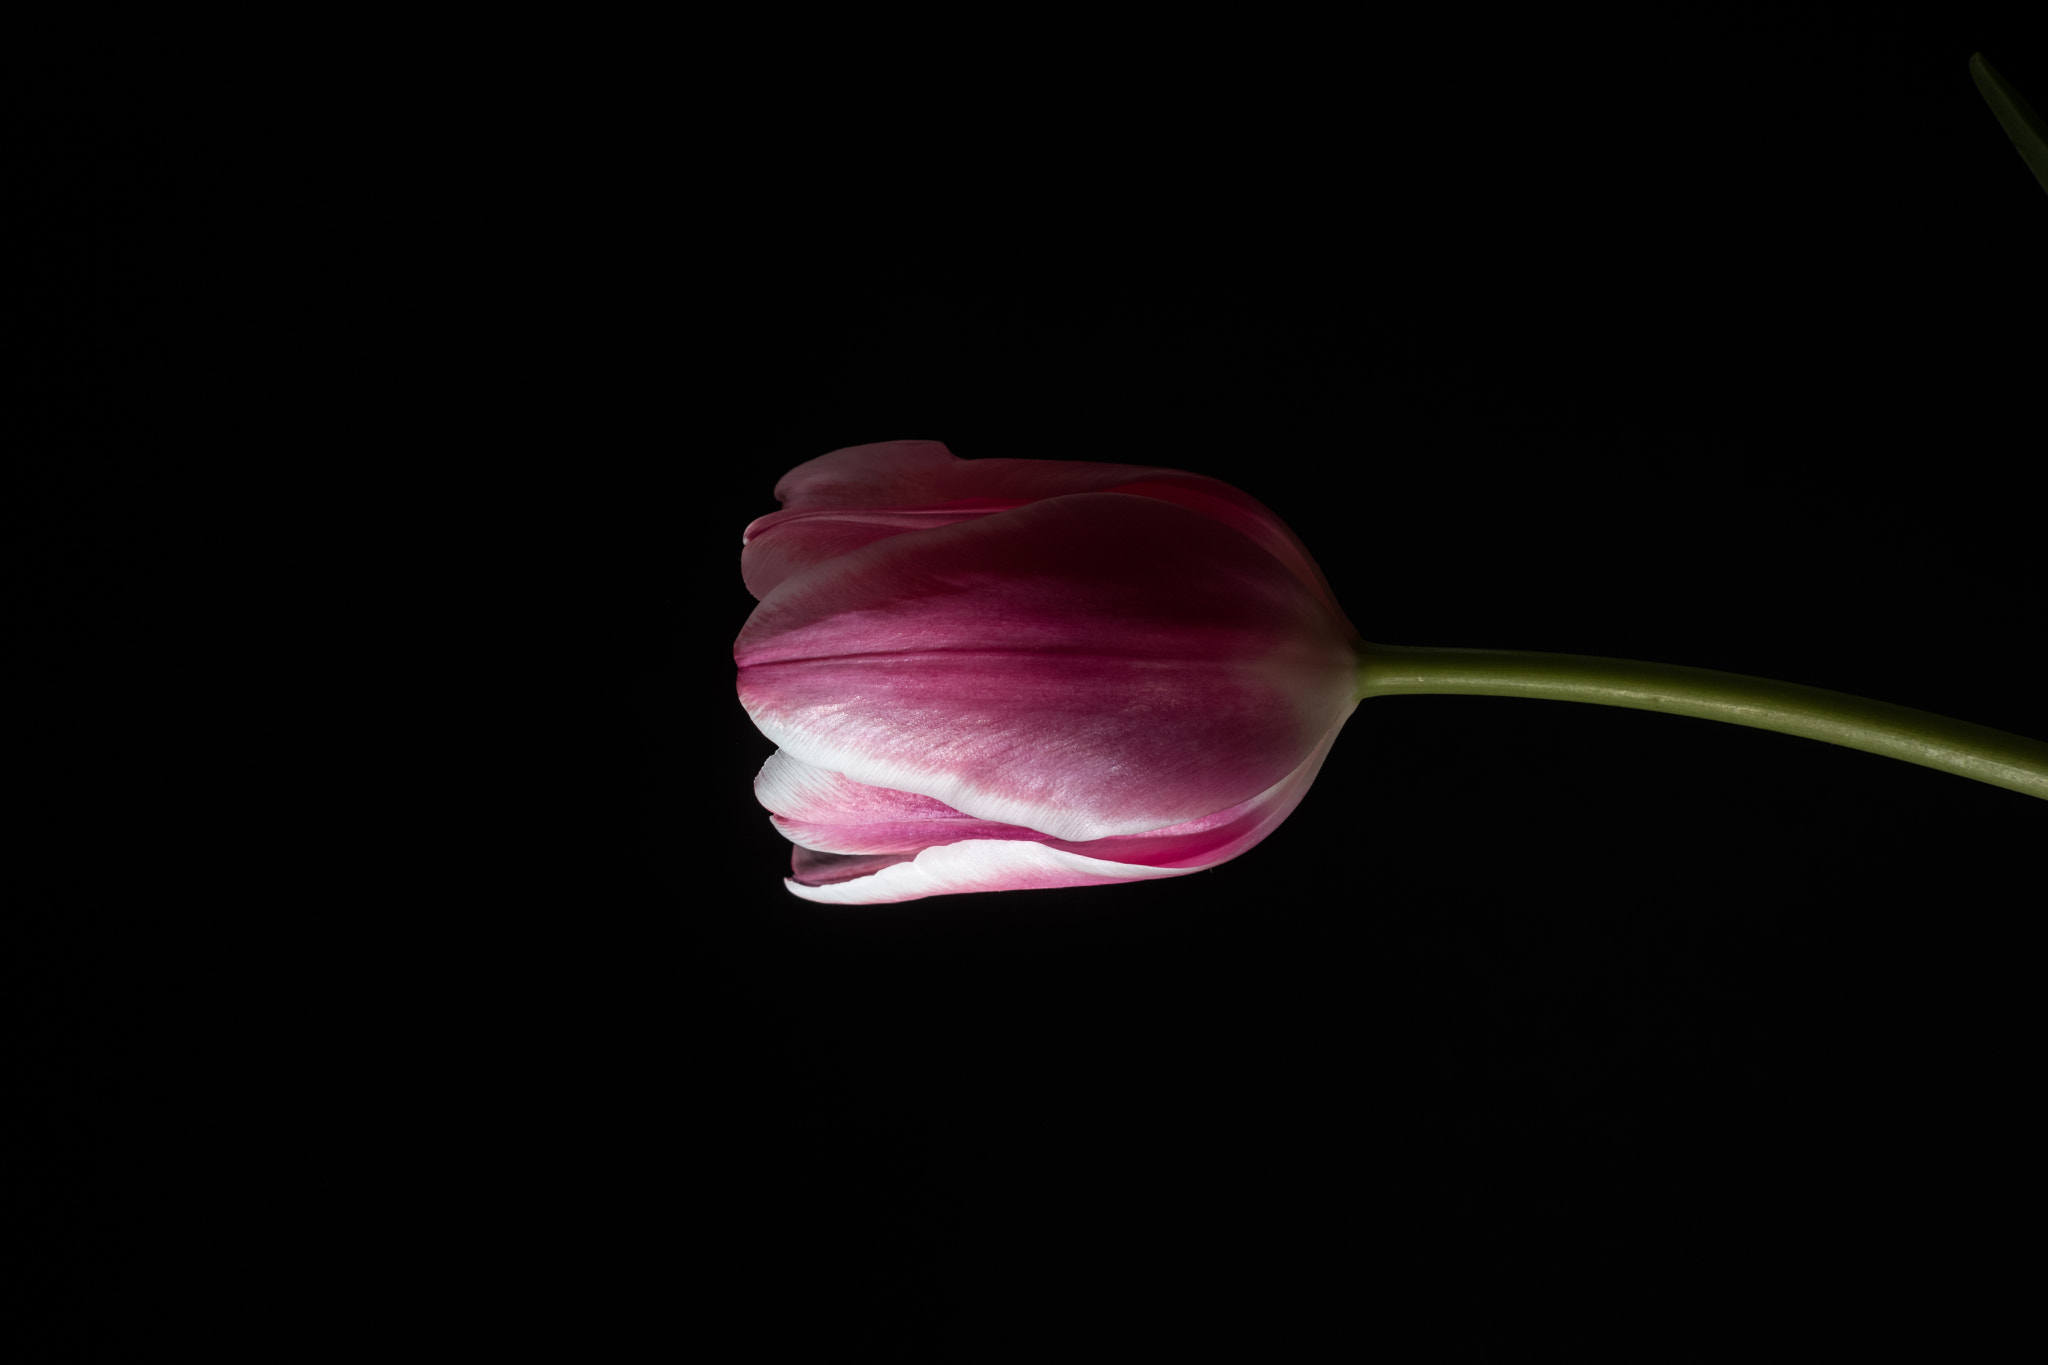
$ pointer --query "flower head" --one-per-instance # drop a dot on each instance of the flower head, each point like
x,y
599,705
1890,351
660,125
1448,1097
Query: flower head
x,y
987,675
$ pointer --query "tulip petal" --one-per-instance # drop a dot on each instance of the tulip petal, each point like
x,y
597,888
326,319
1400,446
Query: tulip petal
x,y
1033,862
980,865
851,497
1049,665
829,812
804,539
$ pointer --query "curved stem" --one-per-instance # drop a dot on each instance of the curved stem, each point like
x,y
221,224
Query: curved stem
x,y
1953,746
2028,132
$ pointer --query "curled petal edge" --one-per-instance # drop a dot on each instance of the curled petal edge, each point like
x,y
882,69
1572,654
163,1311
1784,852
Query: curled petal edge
x,y
980,865
1021,865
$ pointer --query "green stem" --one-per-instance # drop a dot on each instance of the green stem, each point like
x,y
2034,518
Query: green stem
x,y
1953,746
2029,133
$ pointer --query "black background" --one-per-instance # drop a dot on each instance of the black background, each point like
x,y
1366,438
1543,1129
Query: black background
x,y
1709,342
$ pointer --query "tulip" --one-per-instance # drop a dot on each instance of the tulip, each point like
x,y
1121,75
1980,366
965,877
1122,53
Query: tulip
x,y
990,675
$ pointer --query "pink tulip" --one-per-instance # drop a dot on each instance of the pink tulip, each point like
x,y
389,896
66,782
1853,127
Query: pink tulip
x,y
987,675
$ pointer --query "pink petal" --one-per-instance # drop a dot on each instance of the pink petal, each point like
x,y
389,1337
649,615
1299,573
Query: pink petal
x,y
829,812
803,539
981,862
1053,665
860,494
980,865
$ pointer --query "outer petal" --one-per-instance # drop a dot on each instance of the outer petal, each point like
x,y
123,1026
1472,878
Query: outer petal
x,y
860,494
1051,666
803,540
828,812
980,865
1034,862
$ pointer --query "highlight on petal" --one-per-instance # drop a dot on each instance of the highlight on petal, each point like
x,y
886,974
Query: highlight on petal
x,y
878,876
1050,667
980,865
828,812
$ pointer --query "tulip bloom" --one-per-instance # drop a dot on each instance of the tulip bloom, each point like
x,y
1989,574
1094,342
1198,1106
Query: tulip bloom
x,y
988,675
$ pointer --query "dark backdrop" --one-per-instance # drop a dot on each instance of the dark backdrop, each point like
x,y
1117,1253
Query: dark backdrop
x,y
1701,341
1698,342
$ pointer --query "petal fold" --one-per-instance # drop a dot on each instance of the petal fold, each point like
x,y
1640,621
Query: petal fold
x,y
979,865
986,860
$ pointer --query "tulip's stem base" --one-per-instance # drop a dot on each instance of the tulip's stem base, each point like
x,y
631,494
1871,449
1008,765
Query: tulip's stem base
x,y
1954,746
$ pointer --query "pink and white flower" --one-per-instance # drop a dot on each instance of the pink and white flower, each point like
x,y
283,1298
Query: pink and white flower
x,y
987,675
